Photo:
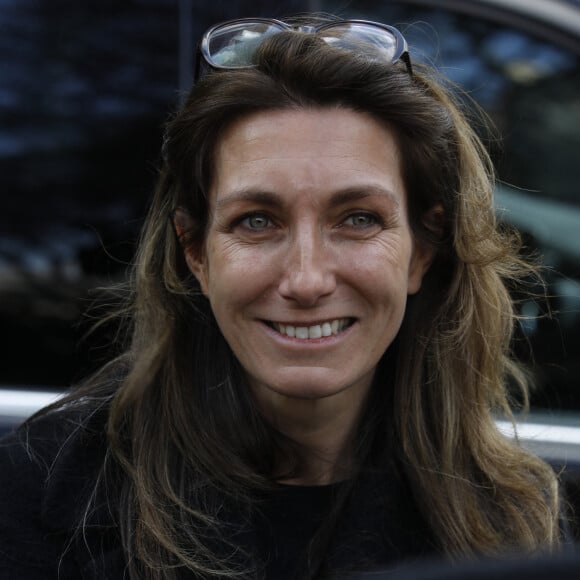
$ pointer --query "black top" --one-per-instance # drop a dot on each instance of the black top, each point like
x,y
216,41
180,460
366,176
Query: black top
x,y
48,470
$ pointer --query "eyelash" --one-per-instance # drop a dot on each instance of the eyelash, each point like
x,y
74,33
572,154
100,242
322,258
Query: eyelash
x,y
244,220
372,219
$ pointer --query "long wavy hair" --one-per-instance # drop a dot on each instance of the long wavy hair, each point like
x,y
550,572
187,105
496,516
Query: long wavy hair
x,y
183,430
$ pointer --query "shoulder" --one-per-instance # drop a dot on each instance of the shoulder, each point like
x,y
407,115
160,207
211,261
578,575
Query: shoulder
x,y
52,445
46,469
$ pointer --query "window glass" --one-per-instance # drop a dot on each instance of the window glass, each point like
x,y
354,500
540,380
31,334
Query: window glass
x,y
84,90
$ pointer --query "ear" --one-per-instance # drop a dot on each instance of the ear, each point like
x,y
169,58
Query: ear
x,y
194,256
424,252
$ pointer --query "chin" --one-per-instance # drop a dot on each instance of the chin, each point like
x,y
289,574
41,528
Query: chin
x,y
310,392
311,387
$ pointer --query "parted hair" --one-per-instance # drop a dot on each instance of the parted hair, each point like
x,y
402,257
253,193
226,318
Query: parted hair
x,y
182,423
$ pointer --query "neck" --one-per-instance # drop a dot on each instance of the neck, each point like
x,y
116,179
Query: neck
x,y
322,428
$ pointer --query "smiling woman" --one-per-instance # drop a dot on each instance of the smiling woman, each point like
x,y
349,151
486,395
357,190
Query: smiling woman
x,y
332,258
313,266
319,333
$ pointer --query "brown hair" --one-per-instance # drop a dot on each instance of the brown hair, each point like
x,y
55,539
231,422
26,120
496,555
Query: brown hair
x,y
181,412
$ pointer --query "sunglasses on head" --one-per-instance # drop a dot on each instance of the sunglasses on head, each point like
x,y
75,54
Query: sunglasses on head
x,y
233,44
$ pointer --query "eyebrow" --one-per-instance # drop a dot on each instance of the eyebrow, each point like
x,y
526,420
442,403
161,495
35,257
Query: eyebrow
x,y
351,194
340,197
255,195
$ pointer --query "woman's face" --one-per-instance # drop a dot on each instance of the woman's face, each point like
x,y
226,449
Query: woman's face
x,y
309,256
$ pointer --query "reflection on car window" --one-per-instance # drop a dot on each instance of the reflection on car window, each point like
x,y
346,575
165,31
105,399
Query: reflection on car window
x,y
529,87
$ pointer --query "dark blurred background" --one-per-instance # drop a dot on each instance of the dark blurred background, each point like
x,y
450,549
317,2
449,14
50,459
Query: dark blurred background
x,y
86,86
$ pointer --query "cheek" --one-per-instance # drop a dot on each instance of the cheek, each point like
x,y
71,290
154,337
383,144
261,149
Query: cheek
x,y
382,266
237,276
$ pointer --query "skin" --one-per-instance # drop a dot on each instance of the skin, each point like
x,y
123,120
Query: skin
x,y
308,224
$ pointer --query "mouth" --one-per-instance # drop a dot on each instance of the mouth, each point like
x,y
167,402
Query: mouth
x,y
320,330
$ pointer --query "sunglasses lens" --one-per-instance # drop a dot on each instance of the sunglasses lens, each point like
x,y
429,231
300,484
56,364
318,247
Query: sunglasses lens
x,y
234,45
375,43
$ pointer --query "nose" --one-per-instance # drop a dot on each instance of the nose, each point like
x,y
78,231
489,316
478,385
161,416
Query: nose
x,y
309,270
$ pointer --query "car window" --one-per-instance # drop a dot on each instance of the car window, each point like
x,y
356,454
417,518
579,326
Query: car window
x,y
84,90
530,88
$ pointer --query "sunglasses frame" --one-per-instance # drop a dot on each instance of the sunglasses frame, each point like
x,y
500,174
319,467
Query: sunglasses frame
x,y
203,51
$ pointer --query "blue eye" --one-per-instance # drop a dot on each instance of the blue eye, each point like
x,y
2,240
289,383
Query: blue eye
x,y
256,221
360,220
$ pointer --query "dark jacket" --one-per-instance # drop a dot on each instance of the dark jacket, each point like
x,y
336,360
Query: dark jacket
x,y
48,472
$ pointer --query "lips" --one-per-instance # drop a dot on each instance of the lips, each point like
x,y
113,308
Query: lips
x,y
320,330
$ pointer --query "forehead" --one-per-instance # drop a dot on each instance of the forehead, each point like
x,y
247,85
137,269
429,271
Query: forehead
x,y
309,151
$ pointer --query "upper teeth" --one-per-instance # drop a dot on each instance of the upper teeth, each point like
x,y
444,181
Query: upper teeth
x,y
314,331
